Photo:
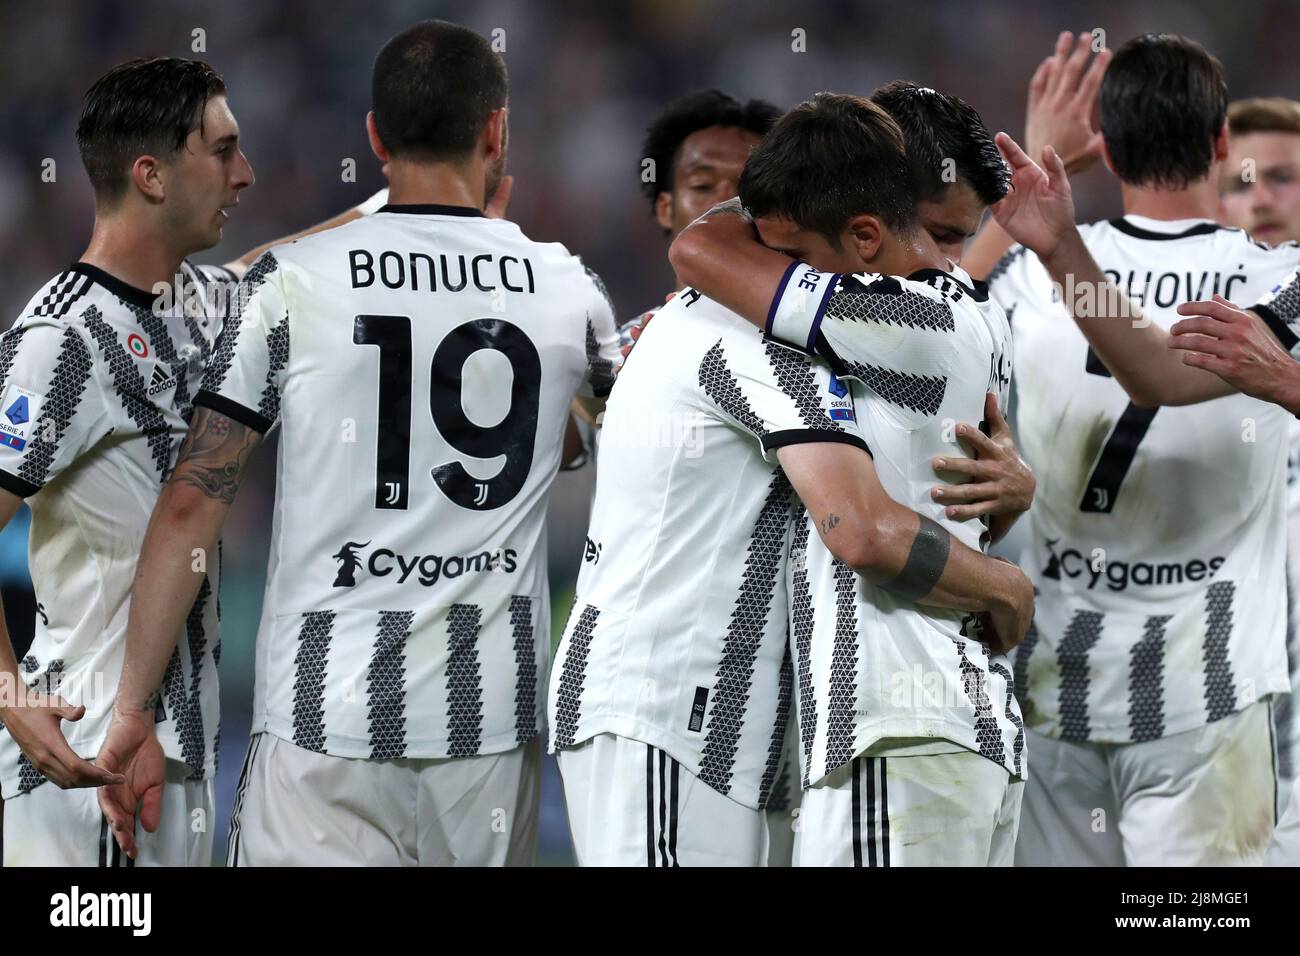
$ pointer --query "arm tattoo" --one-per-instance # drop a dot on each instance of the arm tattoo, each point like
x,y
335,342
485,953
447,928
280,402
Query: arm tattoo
x,y
829,522
925,562
214,454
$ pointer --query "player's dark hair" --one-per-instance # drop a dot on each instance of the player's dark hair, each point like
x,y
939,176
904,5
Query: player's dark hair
x,y
943,134
1163,102
689,114
831,158
434,86
145,106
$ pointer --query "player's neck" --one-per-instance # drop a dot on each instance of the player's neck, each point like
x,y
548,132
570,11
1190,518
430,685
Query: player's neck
x,y
908,253
132,252
1200,200
439,184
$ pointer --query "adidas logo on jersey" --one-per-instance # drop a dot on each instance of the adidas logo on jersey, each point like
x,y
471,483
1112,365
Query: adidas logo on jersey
x,y
1072,563
428,569
160,381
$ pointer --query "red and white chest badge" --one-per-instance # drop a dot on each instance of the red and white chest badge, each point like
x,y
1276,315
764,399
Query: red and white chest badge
x,y
138,346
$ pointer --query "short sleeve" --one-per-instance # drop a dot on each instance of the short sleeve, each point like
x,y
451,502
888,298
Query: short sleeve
x,y
602,344
245,376
780,395
52,404
1280,310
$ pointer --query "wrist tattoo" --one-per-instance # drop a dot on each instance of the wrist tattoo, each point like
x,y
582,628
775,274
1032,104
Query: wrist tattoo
x,y
925,562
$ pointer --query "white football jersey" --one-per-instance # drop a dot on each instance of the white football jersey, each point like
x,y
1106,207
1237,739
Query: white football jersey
x,y
677,637
871,666
420,363
1157,535
98,378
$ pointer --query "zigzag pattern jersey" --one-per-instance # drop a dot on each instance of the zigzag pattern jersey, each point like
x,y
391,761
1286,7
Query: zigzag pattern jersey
x,y
420,363
920,354
677,637
1157,537
98,379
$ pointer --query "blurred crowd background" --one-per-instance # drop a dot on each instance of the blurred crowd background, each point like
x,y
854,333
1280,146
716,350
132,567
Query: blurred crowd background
x,y
586,78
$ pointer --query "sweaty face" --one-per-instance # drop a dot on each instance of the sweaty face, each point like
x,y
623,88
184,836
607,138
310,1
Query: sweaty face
x,y
204,178
1261,186
705,173
953,219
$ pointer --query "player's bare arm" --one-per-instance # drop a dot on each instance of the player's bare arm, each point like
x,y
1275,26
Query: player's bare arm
x,y
1039,214
183,532
895,548
999,483
721,255
1062,99
33,719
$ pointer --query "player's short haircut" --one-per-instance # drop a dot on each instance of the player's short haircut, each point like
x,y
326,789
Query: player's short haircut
x,y
829,159
690,114
944,133
146,106
1163,102
434,86
1264,114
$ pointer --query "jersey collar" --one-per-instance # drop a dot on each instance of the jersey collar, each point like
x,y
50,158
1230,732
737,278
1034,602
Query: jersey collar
x,y
431,209
124,291
1142,227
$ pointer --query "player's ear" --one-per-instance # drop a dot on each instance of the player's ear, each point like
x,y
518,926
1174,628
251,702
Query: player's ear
x,y
147,176
664,210
865,233
494,134
376,144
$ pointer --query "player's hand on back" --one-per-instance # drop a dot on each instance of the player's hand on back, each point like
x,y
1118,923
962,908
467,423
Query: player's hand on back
x,y
33,720
1038,212
999,482
1236,346
133,752
1063,102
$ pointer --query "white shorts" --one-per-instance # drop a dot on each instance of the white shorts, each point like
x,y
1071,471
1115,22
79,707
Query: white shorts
x,y
1205,797
945,809
53,827
296,807
631,804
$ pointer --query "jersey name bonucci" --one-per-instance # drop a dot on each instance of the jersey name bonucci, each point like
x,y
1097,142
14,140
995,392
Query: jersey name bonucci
x,y
420,363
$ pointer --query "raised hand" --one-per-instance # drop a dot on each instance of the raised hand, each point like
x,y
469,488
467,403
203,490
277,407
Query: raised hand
x,y
1063,102
1038,212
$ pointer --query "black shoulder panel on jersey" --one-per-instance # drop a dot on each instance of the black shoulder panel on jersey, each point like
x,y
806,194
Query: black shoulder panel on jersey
x,y
886,301
232,409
